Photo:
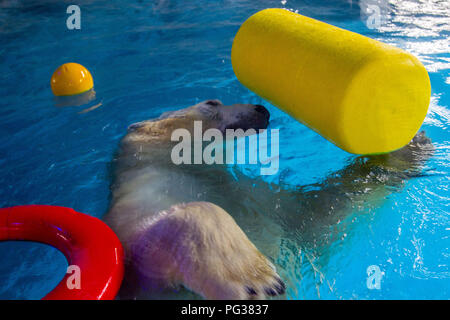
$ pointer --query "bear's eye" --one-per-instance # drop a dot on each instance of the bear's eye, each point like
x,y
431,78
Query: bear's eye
x,y
208,112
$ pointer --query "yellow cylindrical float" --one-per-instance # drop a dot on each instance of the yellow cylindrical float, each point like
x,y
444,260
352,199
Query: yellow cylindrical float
x,y
365,96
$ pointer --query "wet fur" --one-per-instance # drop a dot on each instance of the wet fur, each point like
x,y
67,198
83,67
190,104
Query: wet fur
x,y
171,240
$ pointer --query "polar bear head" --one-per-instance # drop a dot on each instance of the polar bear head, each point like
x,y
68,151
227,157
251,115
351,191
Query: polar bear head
x,y
212,114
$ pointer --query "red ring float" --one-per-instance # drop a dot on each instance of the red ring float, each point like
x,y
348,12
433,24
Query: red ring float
x,y
84,240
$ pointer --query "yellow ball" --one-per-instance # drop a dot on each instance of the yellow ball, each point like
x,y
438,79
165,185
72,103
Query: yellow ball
x,y
70,79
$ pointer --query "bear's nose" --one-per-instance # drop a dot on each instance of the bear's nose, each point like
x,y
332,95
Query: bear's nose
x,y
259,108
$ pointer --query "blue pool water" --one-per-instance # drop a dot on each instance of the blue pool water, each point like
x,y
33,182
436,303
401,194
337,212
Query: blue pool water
x,y
147,57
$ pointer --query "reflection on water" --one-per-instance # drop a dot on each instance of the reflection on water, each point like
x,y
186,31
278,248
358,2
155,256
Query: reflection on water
x,y
75,100
420,27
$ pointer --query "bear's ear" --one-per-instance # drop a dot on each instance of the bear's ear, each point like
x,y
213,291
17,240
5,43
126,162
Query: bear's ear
x,y
214,103
164,115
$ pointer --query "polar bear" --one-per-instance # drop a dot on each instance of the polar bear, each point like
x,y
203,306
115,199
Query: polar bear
x,y
170,240
171,218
